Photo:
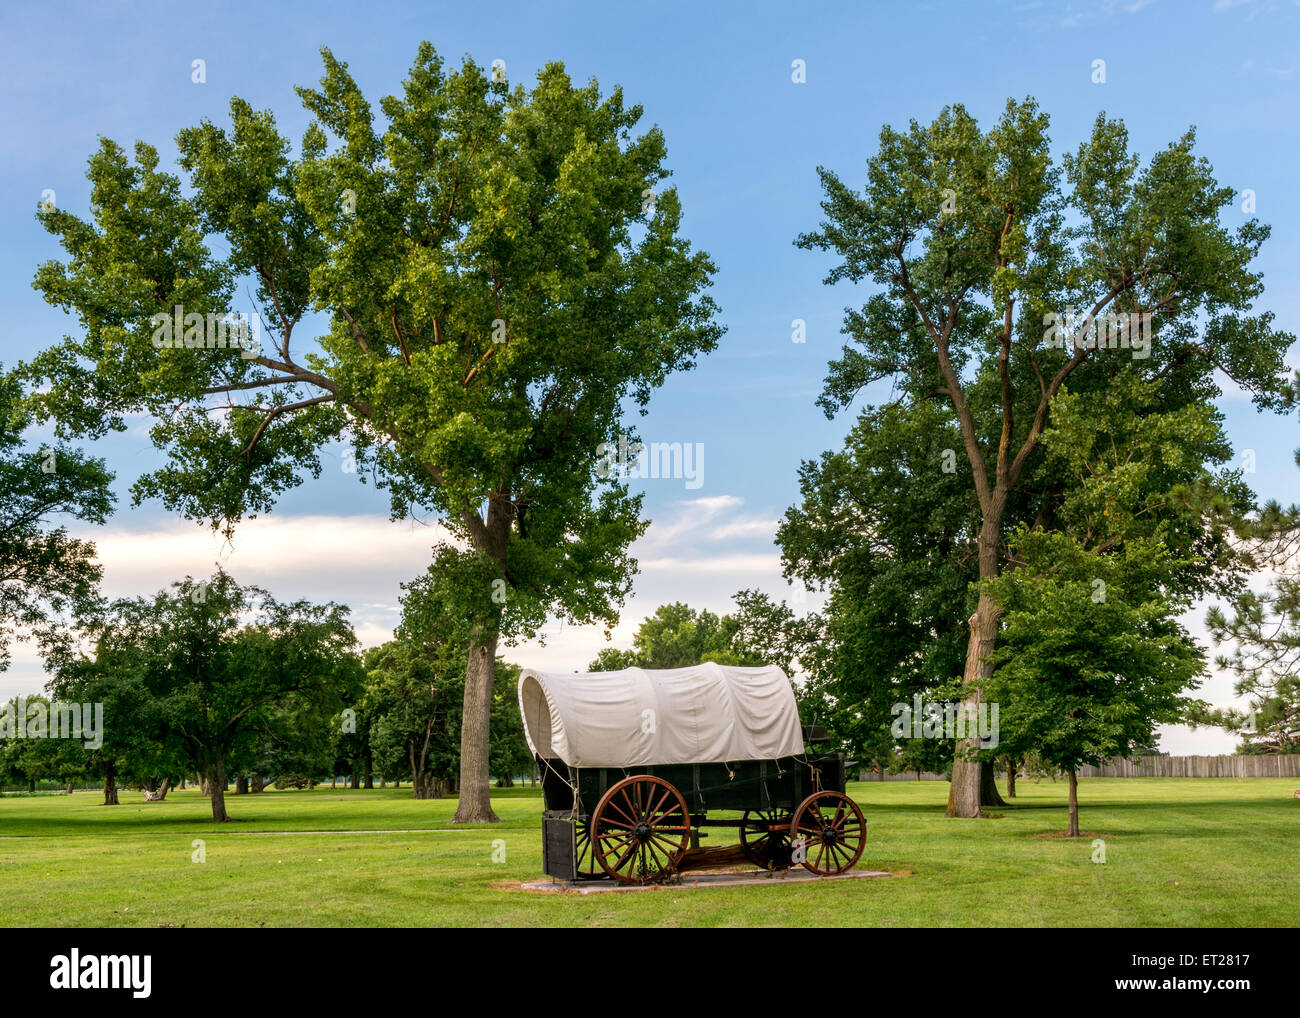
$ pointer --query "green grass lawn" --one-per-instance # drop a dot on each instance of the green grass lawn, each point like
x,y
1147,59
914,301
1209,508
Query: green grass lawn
x,y
1179,852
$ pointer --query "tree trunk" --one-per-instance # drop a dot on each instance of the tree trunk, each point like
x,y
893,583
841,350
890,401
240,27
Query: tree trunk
x,y
182,784
31,786
966,793
382,782
69,787
989,795
427,787
258,784
1073,831
334,782
110,787
1011,779
369,780
241,785
475,805
215,779
356,780
161,794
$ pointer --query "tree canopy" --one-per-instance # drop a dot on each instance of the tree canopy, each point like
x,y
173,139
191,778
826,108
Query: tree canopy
x,y
1002,281
499,271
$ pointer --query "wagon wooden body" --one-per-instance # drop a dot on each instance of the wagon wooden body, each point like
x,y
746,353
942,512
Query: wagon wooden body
x,y
626,797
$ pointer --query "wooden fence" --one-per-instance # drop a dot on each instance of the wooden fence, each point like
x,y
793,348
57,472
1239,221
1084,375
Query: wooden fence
x,y
1231,766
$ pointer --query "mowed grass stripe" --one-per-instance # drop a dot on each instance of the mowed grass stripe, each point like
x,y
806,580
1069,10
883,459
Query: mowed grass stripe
x,y
1179,852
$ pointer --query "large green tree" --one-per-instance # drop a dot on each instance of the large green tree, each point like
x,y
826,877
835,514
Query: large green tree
x,y
973,240
46,574
499,280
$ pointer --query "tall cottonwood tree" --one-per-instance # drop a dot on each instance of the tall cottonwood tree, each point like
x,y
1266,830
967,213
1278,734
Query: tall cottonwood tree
x,y
498,280
973,237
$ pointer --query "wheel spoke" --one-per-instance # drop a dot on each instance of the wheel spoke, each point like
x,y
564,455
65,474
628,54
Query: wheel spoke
x,y
664,845
606,846
662,799
658,820
622,859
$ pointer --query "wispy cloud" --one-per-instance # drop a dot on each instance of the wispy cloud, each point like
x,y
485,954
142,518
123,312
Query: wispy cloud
x,y
1107,8
1252,8
1267,70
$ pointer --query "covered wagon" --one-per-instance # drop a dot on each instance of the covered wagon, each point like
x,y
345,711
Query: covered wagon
x,y
635,762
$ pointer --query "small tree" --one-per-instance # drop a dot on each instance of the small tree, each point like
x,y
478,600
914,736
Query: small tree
x,y
211,659
42,757
413,697
759,632
1081,679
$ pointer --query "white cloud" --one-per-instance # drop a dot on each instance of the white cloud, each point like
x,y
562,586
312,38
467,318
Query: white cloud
x,y
700,551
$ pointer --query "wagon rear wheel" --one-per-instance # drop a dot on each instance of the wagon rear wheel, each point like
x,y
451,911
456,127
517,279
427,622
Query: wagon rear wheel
x,y
640,830
765,837
833,830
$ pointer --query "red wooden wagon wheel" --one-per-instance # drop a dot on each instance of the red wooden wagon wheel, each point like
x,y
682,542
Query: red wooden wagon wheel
x,y
640,829
765,837
833,832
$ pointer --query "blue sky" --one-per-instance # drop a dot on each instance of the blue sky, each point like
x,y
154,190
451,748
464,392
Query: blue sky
x,y
743,142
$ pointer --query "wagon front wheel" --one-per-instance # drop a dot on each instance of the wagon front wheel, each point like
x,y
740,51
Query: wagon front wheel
x,y
832,830
640,830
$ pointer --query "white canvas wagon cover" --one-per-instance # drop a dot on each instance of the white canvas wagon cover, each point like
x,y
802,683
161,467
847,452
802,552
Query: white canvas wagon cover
x,y
642,717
